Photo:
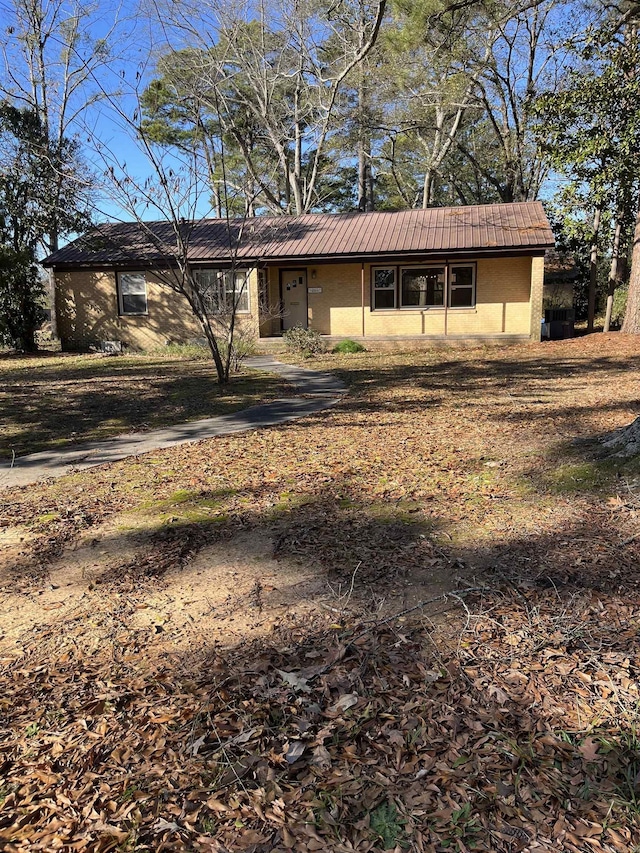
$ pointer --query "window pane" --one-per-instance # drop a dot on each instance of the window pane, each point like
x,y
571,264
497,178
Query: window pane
x,y
206,278
134,303
423,288
462,276
132,283
236,291
209,282
461,297
133,293
384,288
384,298
384,279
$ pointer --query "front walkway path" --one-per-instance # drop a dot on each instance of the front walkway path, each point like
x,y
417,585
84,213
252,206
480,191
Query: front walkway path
x,y
318,391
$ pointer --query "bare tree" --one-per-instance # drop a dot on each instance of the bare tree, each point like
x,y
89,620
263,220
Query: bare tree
x,y
163,211
284,71
49,62
525,56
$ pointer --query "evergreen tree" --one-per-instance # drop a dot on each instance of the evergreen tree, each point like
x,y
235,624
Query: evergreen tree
x,y
39,191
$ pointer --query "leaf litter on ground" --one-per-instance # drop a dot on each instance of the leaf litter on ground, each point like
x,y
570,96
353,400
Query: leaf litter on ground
x,y
509,725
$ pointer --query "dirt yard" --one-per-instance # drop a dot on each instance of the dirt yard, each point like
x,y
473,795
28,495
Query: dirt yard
x,y
409,622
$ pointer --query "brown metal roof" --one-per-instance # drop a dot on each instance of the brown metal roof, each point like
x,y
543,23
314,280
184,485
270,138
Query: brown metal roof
x,y
438,230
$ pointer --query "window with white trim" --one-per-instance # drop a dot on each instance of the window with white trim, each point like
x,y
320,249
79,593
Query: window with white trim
x,y
422,287
384,287
462,286
222,290
132,293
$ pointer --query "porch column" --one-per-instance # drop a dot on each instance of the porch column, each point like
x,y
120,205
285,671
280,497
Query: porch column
x,y
362,296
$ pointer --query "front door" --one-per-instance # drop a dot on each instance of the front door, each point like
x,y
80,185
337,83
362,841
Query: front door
x,y
294,299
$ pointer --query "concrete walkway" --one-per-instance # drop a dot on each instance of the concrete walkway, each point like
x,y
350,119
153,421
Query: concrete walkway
x,y
317,391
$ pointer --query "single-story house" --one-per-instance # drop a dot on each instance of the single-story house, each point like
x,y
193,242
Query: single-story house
x,y
471,272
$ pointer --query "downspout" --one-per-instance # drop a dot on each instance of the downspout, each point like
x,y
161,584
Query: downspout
x,y
362,295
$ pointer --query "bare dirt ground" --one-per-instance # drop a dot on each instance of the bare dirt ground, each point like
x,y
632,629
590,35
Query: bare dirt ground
x,y
197,646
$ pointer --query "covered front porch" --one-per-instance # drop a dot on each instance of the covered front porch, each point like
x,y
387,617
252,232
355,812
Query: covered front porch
x,y
401,300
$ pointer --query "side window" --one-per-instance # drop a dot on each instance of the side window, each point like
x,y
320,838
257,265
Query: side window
x,y
208,282
237,290
462,291
132,293
384,287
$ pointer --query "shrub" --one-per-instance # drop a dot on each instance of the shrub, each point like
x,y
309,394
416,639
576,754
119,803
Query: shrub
x,y
21,300
305,342
619,305
348,346
244,346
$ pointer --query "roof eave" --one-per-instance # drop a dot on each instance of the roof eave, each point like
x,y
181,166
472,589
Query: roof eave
x,y
534,249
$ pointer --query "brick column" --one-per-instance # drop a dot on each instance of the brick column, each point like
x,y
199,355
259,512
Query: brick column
x,y
535,298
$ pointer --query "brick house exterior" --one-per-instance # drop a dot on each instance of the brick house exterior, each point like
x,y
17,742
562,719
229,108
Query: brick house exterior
x,y
471,273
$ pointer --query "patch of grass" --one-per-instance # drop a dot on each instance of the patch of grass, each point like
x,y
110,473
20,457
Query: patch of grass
x,y
48,517
290,501
589,475
184,506
128,794
347,347
193,351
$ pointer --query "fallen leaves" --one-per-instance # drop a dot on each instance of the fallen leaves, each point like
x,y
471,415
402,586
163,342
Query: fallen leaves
x,y
517,731
392,741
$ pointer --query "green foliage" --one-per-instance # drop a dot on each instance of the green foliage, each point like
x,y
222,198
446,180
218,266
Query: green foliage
x,y
589,129
38,198
348,346
387,824
304,342
21,298
42,186
619,305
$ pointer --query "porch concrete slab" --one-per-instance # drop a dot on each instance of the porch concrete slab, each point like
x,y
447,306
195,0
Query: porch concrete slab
x,y
316,391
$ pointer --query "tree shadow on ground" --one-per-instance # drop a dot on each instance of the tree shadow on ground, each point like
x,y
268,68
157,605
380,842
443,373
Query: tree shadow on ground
x,y
89,408
512,726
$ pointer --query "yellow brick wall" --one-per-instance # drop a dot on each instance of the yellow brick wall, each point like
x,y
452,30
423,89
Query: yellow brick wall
x,y
339,306
87,312
87,307
502,302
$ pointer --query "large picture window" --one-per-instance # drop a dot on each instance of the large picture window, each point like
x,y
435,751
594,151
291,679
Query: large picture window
x,y
384,287
222,289
422,287
132,293
428,286
462,286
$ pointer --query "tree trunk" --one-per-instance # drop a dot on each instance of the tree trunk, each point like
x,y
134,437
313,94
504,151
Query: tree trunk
x,y
631,324
613,273
593,269
365,178
427,188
